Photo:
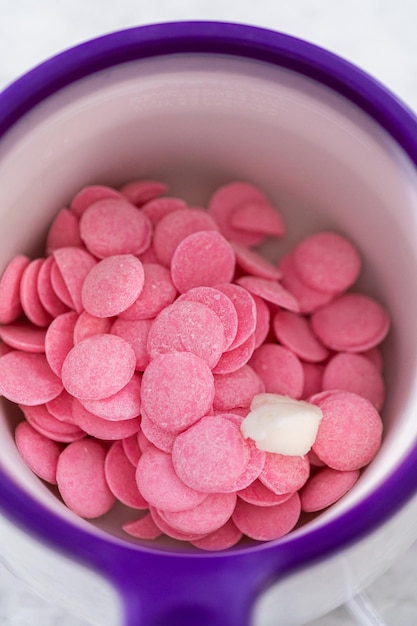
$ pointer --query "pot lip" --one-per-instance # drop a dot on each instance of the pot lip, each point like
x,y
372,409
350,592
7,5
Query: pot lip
x,y
253,43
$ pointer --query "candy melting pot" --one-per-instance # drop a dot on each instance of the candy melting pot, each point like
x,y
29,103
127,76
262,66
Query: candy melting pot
x,y
200,121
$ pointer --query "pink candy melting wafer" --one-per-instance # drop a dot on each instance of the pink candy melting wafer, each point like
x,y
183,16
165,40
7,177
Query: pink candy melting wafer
x,y
325,488
350,432
29,296
49,299
112,285
88,325
89,195
160,485
74,265
187,326
327,262
120,477
123,405
103,429
157,208
284,474
159,437
24,335
98,367
132,449
210,455
81,479
270,290
224,537
46,424
258,217
257,493
136,333
309,299
220,304
356,373
38,452
177,390
294,332
26,378
204,258
59,340
266,523
139,192
176,226
353,323
63,232
236,389
253,263
246,312
206,517
157,293
10,304
280,369
113,226
232,360
143,528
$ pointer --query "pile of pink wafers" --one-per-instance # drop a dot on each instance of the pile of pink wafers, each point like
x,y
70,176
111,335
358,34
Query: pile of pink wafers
x,y
136,346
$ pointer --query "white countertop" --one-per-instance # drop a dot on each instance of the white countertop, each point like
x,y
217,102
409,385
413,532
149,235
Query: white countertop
x,y
377,35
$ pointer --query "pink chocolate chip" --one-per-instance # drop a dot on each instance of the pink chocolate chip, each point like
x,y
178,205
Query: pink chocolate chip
x,y
159,484
204,258
112,285
210,455
98,367
113,226
26,378
10,304
81,479
177,389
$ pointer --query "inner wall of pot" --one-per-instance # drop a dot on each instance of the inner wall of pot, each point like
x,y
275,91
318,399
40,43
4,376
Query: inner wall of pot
x,y
201,121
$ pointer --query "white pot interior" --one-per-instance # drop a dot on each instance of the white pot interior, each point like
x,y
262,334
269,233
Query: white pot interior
x,y
198,122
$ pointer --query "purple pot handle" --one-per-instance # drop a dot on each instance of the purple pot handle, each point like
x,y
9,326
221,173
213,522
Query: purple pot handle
x,y
189,589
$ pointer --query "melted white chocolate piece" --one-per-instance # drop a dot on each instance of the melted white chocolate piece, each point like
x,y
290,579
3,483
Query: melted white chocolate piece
x,y
281,424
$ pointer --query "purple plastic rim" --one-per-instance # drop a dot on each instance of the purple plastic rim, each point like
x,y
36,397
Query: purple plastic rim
x,y
254,566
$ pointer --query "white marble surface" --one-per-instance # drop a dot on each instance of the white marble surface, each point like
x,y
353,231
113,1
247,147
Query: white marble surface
x,y
377,35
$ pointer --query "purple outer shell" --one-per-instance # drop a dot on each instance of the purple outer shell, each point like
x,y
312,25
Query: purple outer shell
x,y
160,586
